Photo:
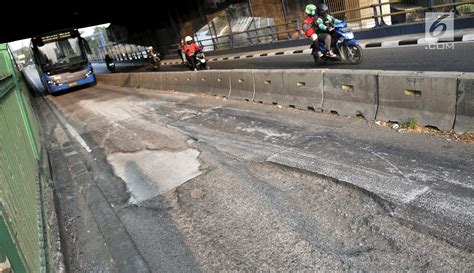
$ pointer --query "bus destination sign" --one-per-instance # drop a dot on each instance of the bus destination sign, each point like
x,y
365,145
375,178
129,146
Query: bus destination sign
x,y
56,36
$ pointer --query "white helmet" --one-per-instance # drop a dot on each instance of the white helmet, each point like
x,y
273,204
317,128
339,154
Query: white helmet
x,y
188,39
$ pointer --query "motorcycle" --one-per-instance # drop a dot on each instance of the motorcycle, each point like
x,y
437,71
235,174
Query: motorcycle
x,y
155,61
345,46
111,67
200,61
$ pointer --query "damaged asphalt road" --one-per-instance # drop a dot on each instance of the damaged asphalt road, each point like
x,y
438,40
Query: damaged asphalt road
x,y
205,184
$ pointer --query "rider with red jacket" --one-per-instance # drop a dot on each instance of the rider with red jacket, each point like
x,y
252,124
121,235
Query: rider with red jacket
x,y
309,27
189,49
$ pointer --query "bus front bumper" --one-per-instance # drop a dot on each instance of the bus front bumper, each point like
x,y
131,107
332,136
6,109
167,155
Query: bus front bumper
x,y
57,88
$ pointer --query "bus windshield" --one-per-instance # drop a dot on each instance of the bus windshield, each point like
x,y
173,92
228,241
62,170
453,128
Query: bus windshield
x,y
60,53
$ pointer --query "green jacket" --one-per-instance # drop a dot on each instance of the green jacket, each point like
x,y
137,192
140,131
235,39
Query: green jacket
x,y
321,23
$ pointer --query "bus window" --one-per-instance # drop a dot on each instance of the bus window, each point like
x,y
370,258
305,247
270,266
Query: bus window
x,y
87,47
61,52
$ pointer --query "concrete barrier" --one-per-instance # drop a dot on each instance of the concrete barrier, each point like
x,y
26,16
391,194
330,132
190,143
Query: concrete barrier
x,y
439,99
135,80
242,86
429,97
150,80
185,82
118,79
303,89
123,79
105,79
465,104
350,92
167,81
269,87
216,82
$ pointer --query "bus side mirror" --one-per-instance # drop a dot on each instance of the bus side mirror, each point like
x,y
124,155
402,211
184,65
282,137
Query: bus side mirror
x,y
88,48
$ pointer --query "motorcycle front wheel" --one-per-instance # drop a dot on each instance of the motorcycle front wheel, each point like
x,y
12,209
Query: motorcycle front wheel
x,y
353,53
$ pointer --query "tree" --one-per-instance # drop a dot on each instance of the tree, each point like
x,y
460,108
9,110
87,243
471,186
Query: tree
x,y
97,40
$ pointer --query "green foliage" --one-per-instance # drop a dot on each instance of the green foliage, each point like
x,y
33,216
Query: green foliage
x,y
466,9
95,41
409,124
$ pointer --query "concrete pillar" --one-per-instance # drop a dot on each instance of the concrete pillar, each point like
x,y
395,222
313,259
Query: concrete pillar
x,y
269,9
338,5
370,12
295,11
364,13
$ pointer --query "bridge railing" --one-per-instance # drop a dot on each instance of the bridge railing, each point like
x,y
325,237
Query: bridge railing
x,y
378,15
268,34
292,30
122,53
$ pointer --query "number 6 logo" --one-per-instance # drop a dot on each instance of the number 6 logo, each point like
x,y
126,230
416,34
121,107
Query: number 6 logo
x,y
437,24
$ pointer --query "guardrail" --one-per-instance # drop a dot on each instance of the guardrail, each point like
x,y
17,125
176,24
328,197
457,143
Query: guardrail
x,y
23,243
123,57
290,30
379,15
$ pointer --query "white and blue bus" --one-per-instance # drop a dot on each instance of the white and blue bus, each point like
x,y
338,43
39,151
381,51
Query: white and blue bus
x,y
61,60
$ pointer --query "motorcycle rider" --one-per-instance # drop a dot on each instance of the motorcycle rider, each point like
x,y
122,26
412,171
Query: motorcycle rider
x,y
150,51
108,61
190,49
309,27
153,56
325,24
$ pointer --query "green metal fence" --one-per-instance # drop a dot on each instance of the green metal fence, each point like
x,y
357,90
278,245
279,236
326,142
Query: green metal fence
x,y
21,221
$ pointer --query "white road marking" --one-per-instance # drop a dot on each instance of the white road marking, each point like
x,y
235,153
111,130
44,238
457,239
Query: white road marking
x,y
468,37
424,41
68,126
390,43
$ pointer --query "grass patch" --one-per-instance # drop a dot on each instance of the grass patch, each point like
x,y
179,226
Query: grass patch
x,y
467,136
409,124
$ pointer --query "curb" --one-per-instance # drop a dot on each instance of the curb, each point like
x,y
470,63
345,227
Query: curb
x,y
120,245
54,243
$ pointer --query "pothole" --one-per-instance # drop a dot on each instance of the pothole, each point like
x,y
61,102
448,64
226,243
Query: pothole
x,y
151,173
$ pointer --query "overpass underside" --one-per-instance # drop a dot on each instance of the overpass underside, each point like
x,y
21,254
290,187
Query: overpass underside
x,y
212,21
